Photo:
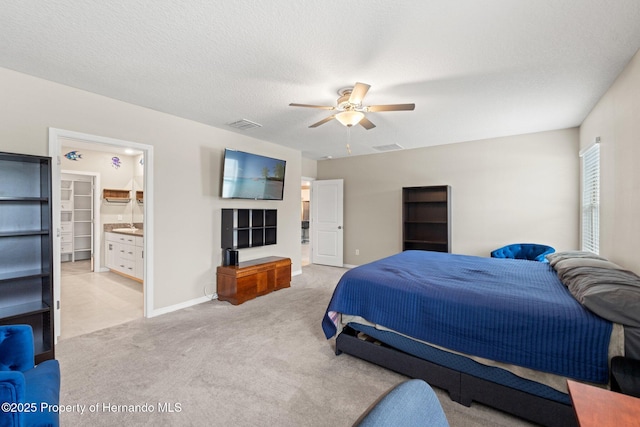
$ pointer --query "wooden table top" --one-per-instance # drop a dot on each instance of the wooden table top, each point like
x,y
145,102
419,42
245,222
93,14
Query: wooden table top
x,y
596,406
254,262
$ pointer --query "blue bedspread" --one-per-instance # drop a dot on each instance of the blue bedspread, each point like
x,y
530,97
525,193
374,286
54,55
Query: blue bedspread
x,y
513,311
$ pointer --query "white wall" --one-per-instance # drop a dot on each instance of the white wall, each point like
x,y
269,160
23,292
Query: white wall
x,y
121,178
309,168
616,120
187,172
504,190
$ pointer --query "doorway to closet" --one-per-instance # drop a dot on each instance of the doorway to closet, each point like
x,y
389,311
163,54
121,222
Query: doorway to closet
x,y
77,216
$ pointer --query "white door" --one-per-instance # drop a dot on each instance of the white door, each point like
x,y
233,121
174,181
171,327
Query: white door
x,y
326,222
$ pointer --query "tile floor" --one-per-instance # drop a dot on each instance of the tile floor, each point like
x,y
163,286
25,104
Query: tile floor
x,y
93,301
306,254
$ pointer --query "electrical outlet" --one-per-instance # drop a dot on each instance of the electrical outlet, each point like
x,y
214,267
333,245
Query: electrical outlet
x,y
357,251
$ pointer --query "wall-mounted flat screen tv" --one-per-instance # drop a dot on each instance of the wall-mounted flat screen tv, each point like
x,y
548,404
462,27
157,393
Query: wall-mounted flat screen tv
x,y
251,176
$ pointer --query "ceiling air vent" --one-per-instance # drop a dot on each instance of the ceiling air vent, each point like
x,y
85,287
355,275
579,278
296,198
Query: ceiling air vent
x,y
244,124
389,147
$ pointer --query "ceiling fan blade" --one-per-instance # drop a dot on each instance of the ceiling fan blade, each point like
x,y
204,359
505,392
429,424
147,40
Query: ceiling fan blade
x,y
322,107
323,121
390,107
358,93
366,123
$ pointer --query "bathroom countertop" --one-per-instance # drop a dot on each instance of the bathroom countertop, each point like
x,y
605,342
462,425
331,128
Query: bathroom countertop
x,y
136,232
120,228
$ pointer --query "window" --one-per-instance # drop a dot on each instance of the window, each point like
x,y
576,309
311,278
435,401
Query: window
x,y
590,233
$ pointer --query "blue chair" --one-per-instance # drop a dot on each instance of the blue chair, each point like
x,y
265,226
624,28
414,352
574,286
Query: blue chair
x,y
530,251
31,391
413,403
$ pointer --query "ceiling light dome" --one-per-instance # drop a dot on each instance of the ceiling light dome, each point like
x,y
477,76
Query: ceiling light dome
x,y
350,118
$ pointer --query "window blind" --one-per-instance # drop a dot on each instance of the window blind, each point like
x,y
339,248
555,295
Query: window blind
x,y
590,232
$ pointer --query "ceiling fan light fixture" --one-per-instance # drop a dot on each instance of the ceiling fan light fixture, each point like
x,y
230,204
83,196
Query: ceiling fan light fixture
x,y
350,118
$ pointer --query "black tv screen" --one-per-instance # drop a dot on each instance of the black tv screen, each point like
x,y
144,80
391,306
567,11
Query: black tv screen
x,y
251,176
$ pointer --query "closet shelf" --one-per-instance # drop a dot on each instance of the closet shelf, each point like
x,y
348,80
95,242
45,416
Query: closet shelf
x,y
116,196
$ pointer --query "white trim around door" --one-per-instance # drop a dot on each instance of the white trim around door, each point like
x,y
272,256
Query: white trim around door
x,y
55,148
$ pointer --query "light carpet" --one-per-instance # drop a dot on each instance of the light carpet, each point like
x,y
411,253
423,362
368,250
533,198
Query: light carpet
x,y
262,363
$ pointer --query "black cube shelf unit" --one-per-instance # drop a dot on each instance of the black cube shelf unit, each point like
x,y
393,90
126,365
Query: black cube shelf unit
x,y
26,248
426,218
248,228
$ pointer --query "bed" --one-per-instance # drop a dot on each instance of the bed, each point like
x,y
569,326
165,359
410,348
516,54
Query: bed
x,y
502,332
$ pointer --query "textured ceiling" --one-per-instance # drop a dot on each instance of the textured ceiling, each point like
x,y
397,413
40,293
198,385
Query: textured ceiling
x,y
474,69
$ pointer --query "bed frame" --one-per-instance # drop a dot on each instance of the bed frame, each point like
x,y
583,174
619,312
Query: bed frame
x,y
462,388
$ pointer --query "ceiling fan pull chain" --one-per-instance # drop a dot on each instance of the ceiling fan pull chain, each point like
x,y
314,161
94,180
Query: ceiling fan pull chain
x,y
349,140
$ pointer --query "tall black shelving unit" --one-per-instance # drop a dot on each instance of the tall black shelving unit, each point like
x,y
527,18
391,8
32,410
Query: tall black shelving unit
x,y
426,218
26,251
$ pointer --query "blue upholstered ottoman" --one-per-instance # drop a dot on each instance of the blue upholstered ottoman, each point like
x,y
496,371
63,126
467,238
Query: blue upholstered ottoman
x,y
530,251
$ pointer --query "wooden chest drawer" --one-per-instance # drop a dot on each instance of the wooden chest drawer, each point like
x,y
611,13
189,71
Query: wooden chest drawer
x,y
250,271
283,274
251,279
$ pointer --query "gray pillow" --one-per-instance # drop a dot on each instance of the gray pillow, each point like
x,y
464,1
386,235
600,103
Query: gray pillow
x,y
611,293
617,304
565,266
559,256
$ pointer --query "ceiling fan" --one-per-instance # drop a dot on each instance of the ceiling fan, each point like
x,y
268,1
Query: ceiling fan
x,y
350,108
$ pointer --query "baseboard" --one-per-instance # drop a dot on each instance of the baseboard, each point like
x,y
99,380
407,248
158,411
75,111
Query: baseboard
x,y
169,309
186,304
